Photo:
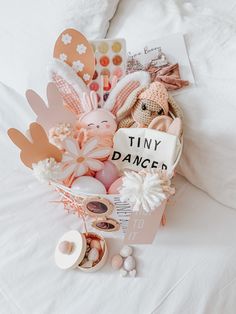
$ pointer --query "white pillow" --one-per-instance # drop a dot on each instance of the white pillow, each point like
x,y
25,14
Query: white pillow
x,y
29,29
209,156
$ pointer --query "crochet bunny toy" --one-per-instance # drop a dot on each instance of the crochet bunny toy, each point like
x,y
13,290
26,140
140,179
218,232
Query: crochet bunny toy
x,y
147,105
142,102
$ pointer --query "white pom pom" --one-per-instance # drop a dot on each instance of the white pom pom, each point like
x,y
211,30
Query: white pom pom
x,y
145,190
46,170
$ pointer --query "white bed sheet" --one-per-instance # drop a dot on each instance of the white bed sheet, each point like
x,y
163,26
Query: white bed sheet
x,y
209,27
190,268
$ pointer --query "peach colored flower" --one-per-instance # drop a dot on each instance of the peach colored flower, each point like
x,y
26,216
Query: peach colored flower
x,y
78,161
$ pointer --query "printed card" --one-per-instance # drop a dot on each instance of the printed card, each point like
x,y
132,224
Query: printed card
x,y
139,148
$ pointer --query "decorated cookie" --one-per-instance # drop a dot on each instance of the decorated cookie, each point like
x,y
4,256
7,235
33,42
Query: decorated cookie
x,y
73,48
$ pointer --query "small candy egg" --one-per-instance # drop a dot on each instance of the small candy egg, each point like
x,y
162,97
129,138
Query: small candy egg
x,y
93,255
129,263
108,174
123,272
133,273
126,251
66,247
95,244
114,188
86,184
116,262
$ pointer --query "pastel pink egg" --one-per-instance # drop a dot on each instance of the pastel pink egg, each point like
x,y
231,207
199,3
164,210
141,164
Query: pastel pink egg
x,y
116,262
108,174
114,188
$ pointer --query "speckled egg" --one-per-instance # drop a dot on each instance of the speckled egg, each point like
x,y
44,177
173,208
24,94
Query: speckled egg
x,y
93,255
126,251
95,244
116,262
129,263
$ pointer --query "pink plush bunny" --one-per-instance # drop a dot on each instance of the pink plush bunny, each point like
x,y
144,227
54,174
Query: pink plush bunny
x,y
91,120
96,122
100,121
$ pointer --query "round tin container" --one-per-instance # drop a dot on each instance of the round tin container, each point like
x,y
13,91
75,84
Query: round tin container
x,y
73,259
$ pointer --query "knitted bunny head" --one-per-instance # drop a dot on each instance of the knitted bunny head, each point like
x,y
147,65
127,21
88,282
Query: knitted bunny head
x,y
97,119
148,104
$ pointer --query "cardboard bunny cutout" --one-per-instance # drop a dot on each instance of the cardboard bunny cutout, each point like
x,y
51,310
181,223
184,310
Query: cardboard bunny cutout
x,y
36,149
50,115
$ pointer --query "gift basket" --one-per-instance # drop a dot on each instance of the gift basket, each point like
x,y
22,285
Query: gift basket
x,y
108,142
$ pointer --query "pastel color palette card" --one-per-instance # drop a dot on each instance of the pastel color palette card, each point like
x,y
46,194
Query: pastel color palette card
x,y
110,63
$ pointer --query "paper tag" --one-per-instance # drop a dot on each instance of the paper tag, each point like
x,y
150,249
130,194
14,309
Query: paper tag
x,y
143,226
139,148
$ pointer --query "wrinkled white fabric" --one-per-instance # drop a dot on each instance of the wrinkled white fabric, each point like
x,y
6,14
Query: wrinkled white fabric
x,y
29,29
209,27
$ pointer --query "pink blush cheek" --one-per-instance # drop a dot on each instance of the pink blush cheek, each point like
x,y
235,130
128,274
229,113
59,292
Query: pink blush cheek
x,y
108,126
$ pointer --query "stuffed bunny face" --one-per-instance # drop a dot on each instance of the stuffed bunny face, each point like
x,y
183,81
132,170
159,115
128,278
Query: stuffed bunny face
x,y
145,110
99,120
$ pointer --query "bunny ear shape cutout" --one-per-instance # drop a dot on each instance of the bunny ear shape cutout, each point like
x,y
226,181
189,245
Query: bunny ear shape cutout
x,y
37,149
53,95
36,102
37,133
52,114
18,138
122,95
70,86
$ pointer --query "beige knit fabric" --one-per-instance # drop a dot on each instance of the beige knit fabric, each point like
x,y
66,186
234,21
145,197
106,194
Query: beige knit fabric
x,y
139,111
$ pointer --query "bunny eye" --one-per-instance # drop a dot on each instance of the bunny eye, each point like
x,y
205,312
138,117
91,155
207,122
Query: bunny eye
x,y
104,121
144,107
90,124
160,111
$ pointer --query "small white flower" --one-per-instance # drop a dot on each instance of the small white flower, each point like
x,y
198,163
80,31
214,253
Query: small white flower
x,y
66,39
46,170
81,48
86,77
63,57
78,66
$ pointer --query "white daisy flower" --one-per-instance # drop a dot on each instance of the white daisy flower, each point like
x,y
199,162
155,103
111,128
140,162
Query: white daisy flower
x,y
81,48
63,57
78,161
77,66
66,39
86,77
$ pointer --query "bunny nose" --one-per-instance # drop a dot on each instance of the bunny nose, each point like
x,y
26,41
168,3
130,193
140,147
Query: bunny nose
x,y
98,126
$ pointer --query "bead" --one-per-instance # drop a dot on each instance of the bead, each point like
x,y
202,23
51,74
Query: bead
x,y
123,272
66,247
126,251
116,262
129,263
93,255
